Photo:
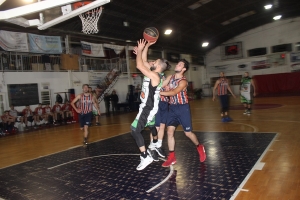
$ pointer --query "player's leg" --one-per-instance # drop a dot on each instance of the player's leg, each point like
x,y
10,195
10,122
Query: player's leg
x,y
136,128
184,116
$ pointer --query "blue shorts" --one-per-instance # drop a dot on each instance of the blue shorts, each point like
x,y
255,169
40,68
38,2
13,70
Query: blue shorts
x,y
180,114
85,119
162,113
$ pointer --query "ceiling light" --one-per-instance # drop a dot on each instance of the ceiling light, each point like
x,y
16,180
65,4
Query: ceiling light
x,y
277,17
205,44
269,6
168,32
125,23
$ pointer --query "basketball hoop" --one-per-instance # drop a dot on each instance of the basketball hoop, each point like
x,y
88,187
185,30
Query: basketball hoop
x,y
90,18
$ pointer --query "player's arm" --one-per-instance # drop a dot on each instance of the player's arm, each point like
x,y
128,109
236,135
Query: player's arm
x,y
254,89
95,102
181,86
229,89
215,87
166,81
155,79
145,53
73,103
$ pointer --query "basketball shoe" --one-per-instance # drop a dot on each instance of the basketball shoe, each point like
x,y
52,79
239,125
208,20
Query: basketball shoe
x,y
170,161
153,154
202,154
158,149
144,162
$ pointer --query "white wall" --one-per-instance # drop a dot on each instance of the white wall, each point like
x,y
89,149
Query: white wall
x,y
276,33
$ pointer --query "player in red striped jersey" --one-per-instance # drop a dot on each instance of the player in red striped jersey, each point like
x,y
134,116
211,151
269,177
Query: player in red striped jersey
x,y
223,85
179,111
85,109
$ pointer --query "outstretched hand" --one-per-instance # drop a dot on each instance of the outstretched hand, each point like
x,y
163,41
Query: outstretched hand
x,y
141,44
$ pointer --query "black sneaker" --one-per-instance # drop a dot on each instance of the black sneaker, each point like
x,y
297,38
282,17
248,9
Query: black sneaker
x,y
153,154
160,152
85,142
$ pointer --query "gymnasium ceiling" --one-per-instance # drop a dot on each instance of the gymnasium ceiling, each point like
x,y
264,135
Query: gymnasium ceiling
x,y
215,21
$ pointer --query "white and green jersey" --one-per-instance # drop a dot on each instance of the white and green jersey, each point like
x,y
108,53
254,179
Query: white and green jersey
x,y
149,102
246,84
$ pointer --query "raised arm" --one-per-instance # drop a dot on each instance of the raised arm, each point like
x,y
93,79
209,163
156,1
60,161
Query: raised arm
x,y
140,64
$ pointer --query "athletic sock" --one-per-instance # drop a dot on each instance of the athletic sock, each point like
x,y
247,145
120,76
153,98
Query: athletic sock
x,y
155,140
159,143
144,154
85,139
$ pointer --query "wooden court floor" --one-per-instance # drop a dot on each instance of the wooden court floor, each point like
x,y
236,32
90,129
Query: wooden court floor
x,y
279,178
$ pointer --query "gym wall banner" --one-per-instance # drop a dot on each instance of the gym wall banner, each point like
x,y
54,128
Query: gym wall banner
x,y
44,44
14,41
91,49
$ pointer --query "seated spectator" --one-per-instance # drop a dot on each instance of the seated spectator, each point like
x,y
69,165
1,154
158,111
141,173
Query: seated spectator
x,y
48,113
57,110
16,114
68,112
39,115
8,121
28,116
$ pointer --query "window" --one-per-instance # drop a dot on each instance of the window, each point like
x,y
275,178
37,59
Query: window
x,y
281,48
257,51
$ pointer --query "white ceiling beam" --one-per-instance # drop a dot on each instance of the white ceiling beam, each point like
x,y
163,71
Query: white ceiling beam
x,y
33,8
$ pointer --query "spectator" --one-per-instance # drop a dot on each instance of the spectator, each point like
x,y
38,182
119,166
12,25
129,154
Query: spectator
x,y
90,90
107,103
68,112
28,115
7,121
16,114
39,115
57,110
114,100
48,113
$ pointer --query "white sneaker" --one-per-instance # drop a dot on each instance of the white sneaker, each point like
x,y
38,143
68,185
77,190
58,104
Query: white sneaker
x,y
144,162
152,145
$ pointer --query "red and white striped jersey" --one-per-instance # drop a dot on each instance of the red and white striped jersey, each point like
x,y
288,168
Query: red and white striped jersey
x,y
181,97
86,103
222,87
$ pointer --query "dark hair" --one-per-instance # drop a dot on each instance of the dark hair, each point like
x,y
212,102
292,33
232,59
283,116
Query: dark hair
x,y
12,105
85,85
186,63
26,105
165,64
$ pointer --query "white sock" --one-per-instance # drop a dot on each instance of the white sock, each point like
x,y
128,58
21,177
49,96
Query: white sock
x,y
159,143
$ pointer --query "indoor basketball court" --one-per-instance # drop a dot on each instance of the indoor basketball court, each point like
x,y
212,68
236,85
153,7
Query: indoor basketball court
x,y
254,156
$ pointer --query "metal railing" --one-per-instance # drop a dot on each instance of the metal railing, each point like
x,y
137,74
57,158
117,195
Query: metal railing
x,y
16,61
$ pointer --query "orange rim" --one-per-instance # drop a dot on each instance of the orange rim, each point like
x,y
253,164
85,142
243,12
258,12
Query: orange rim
x,y
80,4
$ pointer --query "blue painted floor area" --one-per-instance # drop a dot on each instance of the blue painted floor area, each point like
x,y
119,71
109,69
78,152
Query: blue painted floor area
x,y
107,170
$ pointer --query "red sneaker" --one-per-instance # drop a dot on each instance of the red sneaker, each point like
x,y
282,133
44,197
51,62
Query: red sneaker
x,y
201,152
170,161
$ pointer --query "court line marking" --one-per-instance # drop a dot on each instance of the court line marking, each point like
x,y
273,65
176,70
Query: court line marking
x,y
240,188
73,147
107,155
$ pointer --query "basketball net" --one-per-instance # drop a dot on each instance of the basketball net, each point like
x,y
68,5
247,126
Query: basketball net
x,y
90,20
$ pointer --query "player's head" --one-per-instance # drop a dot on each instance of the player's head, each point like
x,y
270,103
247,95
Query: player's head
x,y
90,89
246,74
182,66
160,65
85,88
27,106
56,103
222,74
39,105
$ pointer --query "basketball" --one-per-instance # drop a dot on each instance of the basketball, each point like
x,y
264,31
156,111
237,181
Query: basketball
x,y
151,34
